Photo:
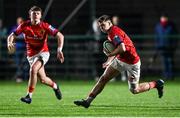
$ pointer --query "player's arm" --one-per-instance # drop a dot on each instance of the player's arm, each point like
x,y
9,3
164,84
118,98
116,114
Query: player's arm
x,y
60,38
109,60
119,50
120,47
10,43
11,38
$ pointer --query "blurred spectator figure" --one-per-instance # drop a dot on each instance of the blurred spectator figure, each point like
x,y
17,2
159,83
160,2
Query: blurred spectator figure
x,y
3,30
19,56
19,20
3,33
116,22
3,62
96,49
96,30
165,44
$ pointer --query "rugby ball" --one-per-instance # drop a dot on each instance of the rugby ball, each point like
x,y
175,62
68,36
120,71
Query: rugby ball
x,y
108,47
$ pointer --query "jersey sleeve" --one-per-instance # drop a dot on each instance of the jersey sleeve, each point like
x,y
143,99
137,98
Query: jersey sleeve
x,y
51,30
19,29
117,40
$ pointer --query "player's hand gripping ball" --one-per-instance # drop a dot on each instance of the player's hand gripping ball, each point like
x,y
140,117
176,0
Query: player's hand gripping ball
x,y
108,47
11,48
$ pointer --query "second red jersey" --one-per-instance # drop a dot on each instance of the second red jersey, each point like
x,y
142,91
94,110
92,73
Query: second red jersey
x,y
36,36
117,36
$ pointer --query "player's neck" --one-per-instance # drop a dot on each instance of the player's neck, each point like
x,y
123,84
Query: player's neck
x,y
110,29
35,22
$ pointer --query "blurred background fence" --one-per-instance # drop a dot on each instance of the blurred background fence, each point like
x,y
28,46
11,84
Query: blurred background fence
x,y
84,57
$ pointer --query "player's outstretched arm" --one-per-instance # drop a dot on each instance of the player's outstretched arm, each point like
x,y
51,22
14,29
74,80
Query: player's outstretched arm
x,y
10,43
60,39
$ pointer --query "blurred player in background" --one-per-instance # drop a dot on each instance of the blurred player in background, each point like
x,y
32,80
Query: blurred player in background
x,y
96,49
36,32
165,45
123,58
3,30
20,56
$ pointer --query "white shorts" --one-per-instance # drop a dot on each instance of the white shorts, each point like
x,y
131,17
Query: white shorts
x,y
133,70
44,56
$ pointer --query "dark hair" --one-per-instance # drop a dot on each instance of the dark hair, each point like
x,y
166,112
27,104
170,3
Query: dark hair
x,y
104,18
35,8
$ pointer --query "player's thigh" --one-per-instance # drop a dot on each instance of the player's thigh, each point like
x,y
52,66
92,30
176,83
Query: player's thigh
x,y
134,75
113,69
41,73
36,66
110,72
43,56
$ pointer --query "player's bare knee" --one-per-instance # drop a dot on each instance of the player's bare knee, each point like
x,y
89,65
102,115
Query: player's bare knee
x,y
133,88
134,91
42,81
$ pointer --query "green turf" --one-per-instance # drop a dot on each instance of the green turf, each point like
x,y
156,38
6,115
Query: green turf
x,y
115,100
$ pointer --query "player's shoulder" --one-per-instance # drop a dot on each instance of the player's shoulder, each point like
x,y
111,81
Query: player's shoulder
x,y
26,23
117,31
115,28
44,23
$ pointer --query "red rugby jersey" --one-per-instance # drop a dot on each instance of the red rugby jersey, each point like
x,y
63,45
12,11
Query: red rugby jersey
x,y
116,35
36,36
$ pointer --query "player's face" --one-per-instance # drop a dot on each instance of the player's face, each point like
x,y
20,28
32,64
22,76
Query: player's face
x,y
105,26
35,16
163,19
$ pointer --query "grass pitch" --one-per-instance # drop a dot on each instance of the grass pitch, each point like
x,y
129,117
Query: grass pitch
x,y
115,100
